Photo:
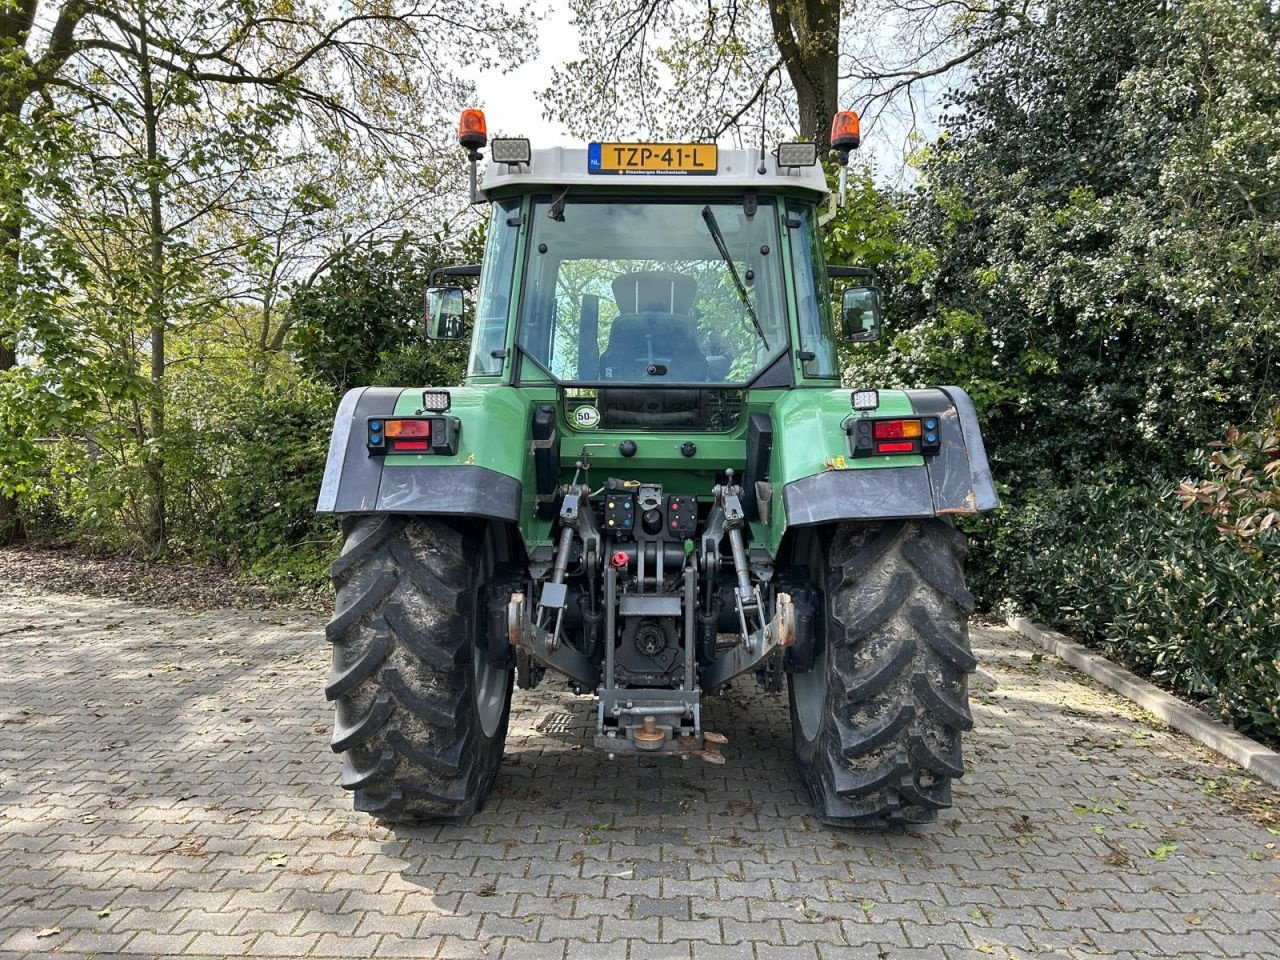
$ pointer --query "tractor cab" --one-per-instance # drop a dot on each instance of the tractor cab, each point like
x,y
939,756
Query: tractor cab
x,y
652,285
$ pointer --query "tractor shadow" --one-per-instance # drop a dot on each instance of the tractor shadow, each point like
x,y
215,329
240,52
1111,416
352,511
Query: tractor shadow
x,y
565,822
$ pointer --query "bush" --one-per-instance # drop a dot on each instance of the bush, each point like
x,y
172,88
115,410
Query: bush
x,y
361,323
245,454
277,443
1243,492
1150,584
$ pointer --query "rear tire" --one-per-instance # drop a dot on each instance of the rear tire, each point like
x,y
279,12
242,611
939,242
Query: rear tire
x,y
420,714
877,721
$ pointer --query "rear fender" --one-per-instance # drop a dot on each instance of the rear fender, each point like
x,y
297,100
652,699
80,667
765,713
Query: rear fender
x,y
822,483
485,478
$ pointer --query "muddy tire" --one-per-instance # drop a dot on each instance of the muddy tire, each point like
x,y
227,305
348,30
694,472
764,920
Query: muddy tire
x,y
877,721
420,714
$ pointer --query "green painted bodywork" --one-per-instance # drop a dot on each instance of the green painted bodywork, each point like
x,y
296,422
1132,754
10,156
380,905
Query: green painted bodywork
x,y
808,438
808,433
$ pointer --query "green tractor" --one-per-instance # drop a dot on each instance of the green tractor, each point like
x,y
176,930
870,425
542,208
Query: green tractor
x,y
652,483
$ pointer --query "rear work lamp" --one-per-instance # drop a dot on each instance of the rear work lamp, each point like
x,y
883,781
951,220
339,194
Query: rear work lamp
x,y
436,401
797,154
865,399
510,150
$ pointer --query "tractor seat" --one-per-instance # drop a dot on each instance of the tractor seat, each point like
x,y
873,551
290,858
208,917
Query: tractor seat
x,y
654,325
640,339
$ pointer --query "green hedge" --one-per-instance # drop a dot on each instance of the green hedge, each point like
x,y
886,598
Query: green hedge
x,y
1150,584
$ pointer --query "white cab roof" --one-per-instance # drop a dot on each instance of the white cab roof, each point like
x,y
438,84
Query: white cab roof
x,y
561,166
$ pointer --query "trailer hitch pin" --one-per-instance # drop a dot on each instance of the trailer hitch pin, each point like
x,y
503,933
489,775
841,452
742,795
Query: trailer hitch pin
x,y
711,744
650,735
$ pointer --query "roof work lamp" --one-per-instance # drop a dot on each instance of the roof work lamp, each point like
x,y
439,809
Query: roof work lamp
x,y
793,155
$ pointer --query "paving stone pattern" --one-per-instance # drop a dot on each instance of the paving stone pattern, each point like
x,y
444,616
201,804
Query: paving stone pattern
x,y
166,787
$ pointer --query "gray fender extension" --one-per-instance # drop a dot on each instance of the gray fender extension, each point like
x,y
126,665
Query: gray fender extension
x,y
355,482
956,481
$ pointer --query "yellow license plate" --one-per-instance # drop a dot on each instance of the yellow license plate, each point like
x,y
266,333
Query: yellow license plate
x,y
652,158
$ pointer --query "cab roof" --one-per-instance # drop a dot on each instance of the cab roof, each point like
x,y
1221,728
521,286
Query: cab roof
x,y
564,166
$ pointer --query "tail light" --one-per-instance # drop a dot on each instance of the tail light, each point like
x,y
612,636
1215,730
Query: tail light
x,y
895,429
408,428
413,435
876,437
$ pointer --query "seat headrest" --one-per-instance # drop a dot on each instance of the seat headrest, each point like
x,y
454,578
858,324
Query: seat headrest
x,y
662,291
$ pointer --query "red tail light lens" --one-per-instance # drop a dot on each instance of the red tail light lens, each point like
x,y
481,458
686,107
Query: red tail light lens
x,y
410,444
896,429
903,446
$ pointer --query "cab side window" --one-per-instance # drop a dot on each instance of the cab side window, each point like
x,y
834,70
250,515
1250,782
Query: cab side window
x,y
817,335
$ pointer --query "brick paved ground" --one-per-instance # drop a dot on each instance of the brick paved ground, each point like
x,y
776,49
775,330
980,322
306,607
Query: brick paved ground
x,y
166,787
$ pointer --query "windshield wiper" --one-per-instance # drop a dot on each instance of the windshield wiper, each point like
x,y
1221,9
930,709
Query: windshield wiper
x,y
718,237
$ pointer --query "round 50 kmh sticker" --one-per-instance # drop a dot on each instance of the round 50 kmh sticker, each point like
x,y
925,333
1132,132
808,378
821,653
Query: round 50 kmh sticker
x,y
586,417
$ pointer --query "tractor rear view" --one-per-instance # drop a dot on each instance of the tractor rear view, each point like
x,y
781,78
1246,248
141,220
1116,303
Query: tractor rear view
x,y
652,482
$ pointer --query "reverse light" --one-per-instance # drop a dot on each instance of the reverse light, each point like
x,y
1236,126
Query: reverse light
x,y
510,150
797,154
436,401
865,399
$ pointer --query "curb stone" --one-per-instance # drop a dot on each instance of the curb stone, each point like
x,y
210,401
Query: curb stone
x,y
1249,754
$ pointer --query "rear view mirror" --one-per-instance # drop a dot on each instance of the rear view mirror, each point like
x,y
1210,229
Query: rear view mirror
x,y
445,306
860,314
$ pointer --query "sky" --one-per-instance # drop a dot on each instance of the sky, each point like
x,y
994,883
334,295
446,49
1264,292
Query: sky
x,y
510,100
512,108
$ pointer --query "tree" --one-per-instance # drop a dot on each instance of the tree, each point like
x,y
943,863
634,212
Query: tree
x,y
197,130
361,323
29,60
1095,242
684,69
659,68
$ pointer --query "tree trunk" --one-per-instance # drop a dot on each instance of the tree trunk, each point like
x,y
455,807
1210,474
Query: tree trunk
x,y
11,527
807,33
22,79
157,533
